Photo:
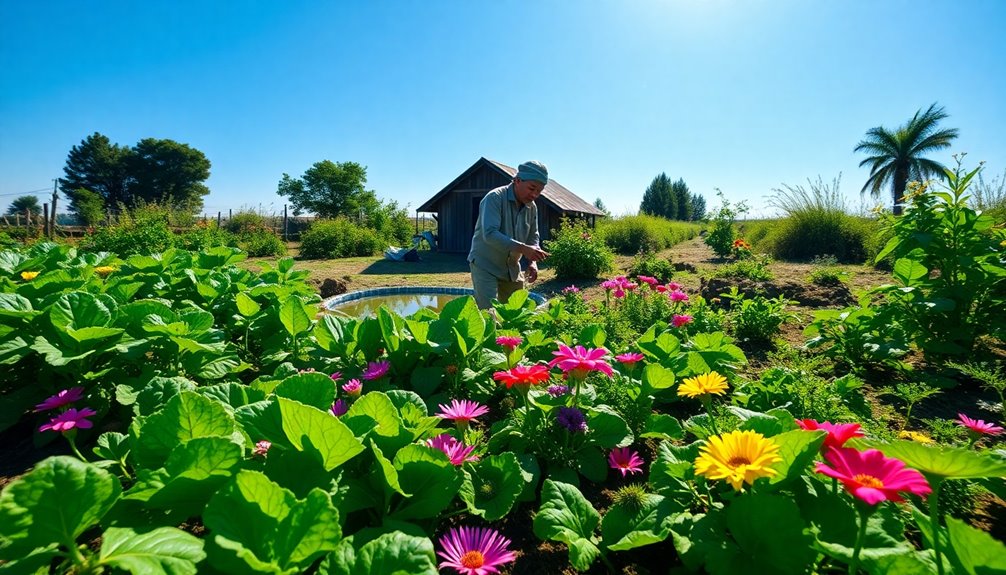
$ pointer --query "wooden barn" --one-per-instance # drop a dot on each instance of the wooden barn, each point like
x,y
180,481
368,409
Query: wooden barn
x,y
456,207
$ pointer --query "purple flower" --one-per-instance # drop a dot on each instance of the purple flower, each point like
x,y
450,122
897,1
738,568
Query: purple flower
x,y
376,370
474,550
65,397
456,451
461,412
353,387
69,419
572,419
678,295
557,390
261,448
339,408
624,460
570,289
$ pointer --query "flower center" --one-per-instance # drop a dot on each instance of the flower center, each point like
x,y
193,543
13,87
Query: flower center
x,y
738,461
473,560
868,481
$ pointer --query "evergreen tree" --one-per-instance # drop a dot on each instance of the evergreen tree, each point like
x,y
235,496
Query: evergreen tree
x,y
600,205
683,200
97,165
168,171
658,199
698,203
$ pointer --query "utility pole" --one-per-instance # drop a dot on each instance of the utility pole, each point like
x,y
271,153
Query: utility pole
x,y
55,197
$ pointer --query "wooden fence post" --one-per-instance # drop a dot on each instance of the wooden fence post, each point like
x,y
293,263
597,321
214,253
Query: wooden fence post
x,y
286,233
45,219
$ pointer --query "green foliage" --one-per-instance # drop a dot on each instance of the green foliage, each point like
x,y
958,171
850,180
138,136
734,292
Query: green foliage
x,y
805,396
90,207
858,336
672,201
144,230
631,235
989,197
911,393
722,234
826,273
339,238
754,268
330,189
575,252
991,377
21,204
757,319
647,264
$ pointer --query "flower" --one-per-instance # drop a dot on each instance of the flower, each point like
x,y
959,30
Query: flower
x,y
456,451
570,289
261,448
339,408
680,320
917,437
650,281
678,295
510,342
104,271
376,370
838,433
474,550
710,383
461,412
579,361
336,376
629,359
674,286
522,375
557,390
871,476
69,419
65,397
451,369
979,426
28,276
353,387
738,457
572,419
625,460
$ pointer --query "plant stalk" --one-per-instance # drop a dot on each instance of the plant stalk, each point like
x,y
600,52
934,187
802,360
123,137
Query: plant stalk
x,y
864,518
934,519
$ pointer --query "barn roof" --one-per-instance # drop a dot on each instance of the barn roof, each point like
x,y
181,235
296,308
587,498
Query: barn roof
x,y
554,193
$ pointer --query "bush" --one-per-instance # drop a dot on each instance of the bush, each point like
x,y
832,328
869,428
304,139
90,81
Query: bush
x,y
339,238
754,268
631,235
648,265
261,243
205,235
757,319
145,230
825,272
576,253
722,235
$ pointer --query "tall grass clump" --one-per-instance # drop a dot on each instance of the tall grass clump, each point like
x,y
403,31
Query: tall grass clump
x,y
989,196
630,235
815,223
340,238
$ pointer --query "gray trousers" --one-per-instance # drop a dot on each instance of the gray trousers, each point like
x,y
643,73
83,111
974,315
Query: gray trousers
x,y
487,286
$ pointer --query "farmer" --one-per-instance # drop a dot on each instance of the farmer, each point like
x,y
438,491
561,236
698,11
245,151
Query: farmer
x,y
506,229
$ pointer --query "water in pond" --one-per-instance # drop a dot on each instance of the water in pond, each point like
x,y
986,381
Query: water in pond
x,y
403,304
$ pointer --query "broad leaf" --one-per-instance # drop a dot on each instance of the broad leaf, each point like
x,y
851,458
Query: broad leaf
x,y
942,462
428,476
397,554
492,488
162,551
308,428
566,516
186,416
662,426
314,389
770,534
629,525
975,550
607,429
797,448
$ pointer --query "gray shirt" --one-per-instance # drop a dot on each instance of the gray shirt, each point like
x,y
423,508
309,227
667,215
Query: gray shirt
x,y
504,225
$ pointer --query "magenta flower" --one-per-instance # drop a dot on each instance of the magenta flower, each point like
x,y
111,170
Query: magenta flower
x,y
456,451
353,387
650,281
578,362
523,376
376,370
677,295
661,288
570,289
625,460
462,412
474,550
619,293
871,476
674,286
629,359
65,397
339,408
261,448
336,376
680,320
510,342
70,419
610,284
838,433
978,426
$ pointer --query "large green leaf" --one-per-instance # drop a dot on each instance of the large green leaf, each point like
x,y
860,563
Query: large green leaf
x,y
607,429
977,552
397,554
161,551
54,503
566,516
77,310
428,476
662,426
942,462
314,389
308,428
158,391
17,306
193,472
797,448
293,316
629,525
656,376
770,534
186,416
376,413
246,305
492,487
909,271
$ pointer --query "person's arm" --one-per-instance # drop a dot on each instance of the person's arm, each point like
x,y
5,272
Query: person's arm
x,y
490,211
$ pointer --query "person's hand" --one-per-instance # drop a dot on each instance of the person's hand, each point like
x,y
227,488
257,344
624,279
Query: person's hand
x,y
532,274
533,254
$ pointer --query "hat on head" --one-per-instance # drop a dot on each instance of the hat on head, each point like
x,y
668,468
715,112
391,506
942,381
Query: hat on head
x,y
533,170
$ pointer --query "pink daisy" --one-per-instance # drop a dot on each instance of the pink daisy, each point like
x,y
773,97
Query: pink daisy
x,y
353,387
70,419
680,320
629,359
678,295
510,342
624,460
376,370
579,361
978,426
456,451
336,376
474,550
462,412
871,476
65,397
838,433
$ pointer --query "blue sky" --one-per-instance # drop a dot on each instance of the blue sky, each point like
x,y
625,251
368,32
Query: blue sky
x,y
737,95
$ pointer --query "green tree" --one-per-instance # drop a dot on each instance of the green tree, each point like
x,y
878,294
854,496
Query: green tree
x,y
600,205
22,203
658,199
97,165
330,189
166,171
682,198
89,206
698,203
896,157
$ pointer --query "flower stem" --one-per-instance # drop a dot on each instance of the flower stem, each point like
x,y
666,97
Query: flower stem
x,y
834,485
73,446
864,518
934,519
709,410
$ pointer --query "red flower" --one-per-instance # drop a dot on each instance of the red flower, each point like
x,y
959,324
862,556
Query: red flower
x,y
523,375
838,433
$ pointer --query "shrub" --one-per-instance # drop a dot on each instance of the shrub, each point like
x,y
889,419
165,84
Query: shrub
x,y
245,221
631,235
649,265
391,222
754,268
142,230
205,235
577,253
262,243
757,319
339,238
825,271
722,235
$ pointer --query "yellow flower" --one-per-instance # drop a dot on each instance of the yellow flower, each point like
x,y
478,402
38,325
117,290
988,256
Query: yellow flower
x,y
916,437
710,383
28,276
737,457
103,271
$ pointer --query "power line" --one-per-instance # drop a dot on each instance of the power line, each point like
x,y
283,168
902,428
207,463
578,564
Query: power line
x,y
27,193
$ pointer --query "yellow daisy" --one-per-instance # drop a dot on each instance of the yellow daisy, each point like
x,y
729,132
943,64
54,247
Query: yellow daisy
x,y
103,271
710,383
916,437
737,457
28,276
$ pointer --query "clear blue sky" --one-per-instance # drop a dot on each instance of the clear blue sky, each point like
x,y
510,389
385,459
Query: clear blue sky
x,y
737,95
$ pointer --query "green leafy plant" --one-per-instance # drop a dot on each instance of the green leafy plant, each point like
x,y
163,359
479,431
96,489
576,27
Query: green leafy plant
x,y
575,252
992,378
755,268
648,264
340,238
757,319
911,393
722,235
825,272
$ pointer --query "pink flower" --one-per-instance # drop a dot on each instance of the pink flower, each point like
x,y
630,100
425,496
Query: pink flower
x,y
69,419
510,342
353,387
339,408
680,320
523,375
336,376
474,550
461,412
678,295
650,281
261,448
570,289
872,477
610,284
624,460
978,426
619,293
579,361
456,451
65,397
631,286
629,359
838,433
674,286
661,288
376,370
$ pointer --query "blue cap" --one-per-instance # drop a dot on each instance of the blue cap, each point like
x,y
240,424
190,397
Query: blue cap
x,y
533,170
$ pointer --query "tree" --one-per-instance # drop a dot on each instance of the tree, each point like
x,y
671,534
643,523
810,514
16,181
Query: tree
x,y
330,189
97,165
683,200
89,206
658,199
600,205
698,207
896,157
166,171
22,203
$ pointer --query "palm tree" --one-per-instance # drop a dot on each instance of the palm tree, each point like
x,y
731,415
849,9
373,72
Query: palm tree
x,y
896,157
23,203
